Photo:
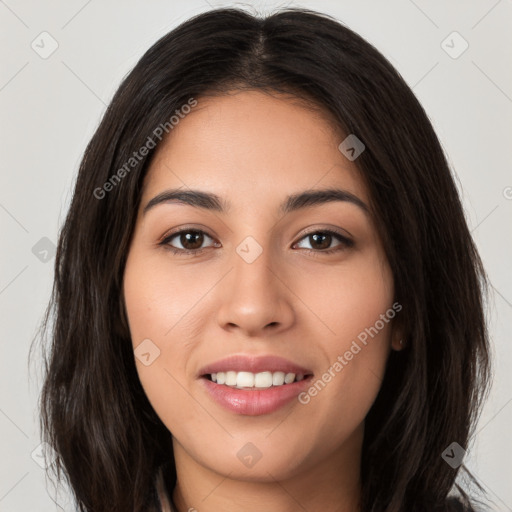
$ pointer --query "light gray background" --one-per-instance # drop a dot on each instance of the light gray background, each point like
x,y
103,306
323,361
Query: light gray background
x,y
51,107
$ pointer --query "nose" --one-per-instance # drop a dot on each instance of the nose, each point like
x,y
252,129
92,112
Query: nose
x,y
255,298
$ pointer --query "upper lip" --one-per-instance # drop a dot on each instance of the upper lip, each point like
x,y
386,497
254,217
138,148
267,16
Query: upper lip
x,y
254,364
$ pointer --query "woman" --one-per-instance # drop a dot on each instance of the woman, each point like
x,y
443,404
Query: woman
x,y
266,293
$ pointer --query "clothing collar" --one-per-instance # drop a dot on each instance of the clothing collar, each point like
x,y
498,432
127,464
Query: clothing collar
x,y
164,500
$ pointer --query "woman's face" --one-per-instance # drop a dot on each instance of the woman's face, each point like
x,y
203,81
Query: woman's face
x,y
264,292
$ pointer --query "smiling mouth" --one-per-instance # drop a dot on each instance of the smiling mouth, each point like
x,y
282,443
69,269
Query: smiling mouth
x,y
255,381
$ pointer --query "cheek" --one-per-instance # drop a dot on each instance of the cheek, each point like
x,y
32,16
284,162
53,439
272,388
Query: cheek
x,y
354,314
162,309
347,300
159,299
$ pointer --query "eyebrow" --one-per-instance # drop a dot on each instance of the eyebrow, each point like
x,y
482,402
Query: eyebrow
x,y
294,202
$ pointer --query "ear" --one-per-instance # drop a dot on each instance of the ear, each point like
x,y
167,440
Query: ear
x,y
398,335
398,345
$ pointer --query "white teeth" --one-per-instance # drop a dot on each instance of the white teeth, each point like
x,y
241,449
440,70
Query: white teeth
x,y
245,380
263,380
260,380
230,379
278,378
289,378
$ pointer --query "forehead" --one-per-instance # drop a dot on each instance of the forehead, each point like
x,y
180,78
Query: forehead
x,y
253,147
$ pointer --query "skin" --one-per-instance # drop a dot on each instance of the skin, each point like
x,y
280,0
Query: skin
x,y
253,149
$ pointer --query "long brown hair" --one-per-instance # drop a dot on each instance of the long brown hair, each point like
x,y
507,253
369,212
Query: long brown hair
x,y
108,439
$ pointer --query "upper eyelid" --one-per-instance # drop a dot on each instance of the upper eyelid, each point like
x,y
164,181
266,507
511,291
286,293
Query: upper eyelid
x,y
186,229
167,238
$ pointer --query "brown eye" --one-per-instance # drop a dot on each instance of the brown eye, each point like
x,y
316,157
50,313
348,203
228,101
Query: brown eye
x,y
191,240
186,241
321,241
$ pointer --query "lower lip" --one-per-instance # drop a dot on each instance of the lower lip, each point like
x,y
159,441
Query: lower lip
x,y
254,402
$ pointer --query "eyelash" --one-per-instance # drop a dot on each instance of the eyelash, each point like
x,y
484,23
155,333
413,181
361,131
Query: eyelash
x,y
345,242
